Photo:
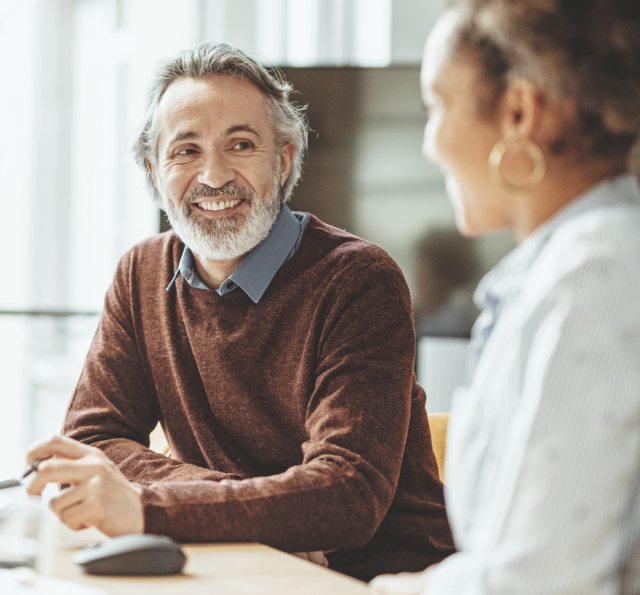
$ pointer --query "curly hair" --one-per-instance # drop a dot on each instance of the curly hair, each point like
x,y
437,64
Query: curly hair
x,y
287,119
587,51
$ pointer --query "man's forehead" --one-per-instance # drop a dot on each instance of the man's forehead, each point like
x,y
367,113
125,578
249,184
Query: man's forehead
x,y
225,96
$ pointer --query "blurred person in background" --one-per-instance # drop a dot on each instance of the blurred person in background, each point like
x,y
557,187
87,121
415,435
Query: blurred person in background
x,y
534,115
276,351
446,265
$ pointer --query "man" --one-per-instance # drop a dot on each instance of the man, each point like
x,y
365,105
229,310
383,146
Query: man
x,y
275,350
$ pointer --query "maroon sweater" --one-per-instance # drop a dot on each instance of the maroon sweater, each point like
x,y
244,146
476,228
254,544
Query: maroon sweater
x,y
295,422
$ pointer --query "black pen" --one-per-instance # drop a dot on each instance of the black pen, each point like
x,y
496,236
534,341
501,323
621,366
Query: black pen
x,y
31,468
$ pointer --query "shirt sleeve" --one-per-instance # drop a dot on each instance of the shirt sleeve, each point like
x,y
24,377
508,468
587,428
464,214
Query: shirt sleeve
x,y
557,514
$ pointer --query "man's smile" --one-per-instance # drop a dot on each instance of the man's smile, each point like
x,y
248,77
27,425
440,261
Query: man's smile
x,y
224,207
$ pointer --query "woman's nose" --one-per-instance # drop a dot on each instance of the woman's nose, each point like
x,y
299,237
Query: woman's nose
x,y
428,145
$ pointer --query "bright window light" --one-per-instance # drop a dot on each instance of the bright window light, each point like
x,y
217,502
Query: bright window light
x,y
372,39
270,30
302,33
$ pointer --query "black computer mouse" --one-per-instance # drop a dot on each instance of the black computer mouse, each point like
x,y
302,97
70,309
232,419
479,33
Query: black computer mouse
x,y
132,555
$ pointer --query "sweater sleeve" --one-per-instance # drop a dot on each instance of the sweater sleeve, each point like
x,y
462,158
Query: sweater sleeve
x,y
357,421
113,406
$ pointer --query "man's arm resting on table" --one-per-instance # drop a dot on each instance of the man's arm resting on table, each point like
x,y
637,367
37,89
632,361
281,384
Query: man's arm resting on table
x,y
99,496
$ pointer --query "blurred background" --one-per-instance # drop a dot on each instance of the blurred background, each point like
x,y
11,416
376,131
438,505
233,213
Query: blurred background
x,y
74,75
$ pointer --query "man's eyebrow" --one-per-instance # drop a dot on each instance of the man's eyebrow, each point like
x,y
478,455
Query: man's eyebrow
x,y
189,135
243,128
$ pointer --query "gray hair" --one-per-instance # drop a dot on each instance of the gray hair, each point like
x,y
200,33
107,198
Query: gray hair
x,y
287,119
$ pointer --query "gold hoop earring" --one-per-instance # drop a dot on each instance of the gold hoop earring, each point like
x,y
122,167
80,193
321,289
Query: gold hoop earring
x,y
509,143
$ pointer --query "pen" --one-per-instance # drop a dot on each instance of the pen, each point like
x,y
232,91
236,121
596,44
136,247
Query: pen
x,y
31,468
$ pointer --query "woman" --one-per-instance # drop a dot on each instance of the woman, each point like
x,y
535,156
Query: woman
x,y
534,113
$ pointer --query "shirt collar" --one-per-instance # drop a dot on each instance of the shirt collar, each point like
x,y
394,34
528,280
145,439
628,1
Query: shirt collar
x,y
258,269
187,268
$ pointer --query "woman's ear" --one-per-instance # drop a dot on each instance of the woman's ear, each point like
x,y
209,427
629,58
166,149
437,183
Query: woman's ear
x,y
521,110
527,112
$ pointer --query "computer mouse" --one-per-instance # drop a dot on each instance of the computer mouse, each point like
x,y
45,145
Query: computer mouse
x,y
132,555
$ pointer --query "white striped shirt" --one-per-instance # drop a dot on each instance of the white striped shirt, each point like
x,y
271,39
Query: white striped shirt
x,y
543,451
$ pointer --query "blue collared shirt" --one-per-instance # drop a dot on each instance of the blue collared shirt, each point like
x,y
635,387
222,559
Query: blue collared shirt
x,y
258,269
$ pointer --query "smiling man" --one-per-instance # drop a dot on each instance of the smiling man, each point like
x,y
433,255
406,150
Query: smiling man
x,y
276,351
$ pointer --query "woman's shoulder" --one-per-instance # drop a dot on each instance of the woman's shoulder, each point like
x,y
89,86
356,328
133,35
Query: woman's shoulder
x,y
588,261
593,259
603,227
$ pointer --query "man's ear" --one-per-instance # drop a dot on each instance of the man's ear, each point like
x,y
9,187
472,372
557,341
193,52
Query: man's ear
x,y
152,171
287,153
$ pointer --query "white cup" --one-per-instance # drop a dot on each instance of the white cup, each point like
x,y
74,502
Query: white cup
x,y
21,534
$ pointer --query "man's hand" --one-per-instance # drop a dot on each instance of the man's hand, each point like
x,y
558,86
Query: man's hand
x,y
405,583
315,557
99,496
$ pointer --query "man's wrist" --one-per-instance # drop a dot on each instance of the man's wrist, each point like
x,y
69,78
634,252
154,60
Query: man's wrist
x,y
140,525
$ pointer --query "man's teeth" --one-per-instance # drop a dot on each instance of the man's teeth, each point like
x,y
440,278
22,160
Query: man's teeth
x,y
219,206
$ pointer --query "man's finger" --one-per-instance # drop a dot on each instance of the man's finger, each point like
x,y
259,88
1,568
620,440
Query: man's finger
x,y
57,446
62,471
68,497
77,517
315,557
318,558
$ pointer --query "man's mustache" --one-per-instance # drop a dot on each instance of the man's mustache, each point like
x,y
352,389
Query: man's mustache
x,y
229,189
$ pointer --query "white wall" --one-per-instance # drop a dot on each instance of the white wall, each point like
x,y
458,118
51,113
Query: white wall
x,y
74,77
17,93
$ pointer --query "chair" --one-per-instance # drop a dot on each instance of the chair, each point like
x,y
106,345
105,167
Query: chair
x,y
158,442
438,423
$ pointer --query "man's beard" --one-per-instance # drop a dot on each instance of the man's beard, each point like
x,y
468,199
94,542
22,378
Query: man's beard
x,y
224,239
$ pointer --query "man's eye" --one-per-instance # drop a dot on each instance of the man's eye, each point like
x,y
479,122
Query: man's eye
x,y
243,144
186,152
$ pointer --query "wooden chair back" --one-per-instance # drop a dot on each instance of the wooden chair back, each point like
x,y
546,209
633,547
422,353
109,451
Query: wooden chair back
x,y
438,423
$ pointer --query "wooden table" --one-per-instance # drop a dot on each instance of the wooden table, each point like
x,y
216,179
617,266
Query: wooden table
x,y
223,569
212,569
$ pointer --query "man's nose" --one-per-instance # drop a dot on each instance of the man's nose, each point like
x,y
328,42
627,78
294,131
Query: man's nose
x,y
216,170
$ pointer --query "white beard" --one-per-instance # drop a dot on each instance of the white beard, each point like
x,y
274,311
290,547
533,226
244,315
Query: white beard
x,y
223,239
